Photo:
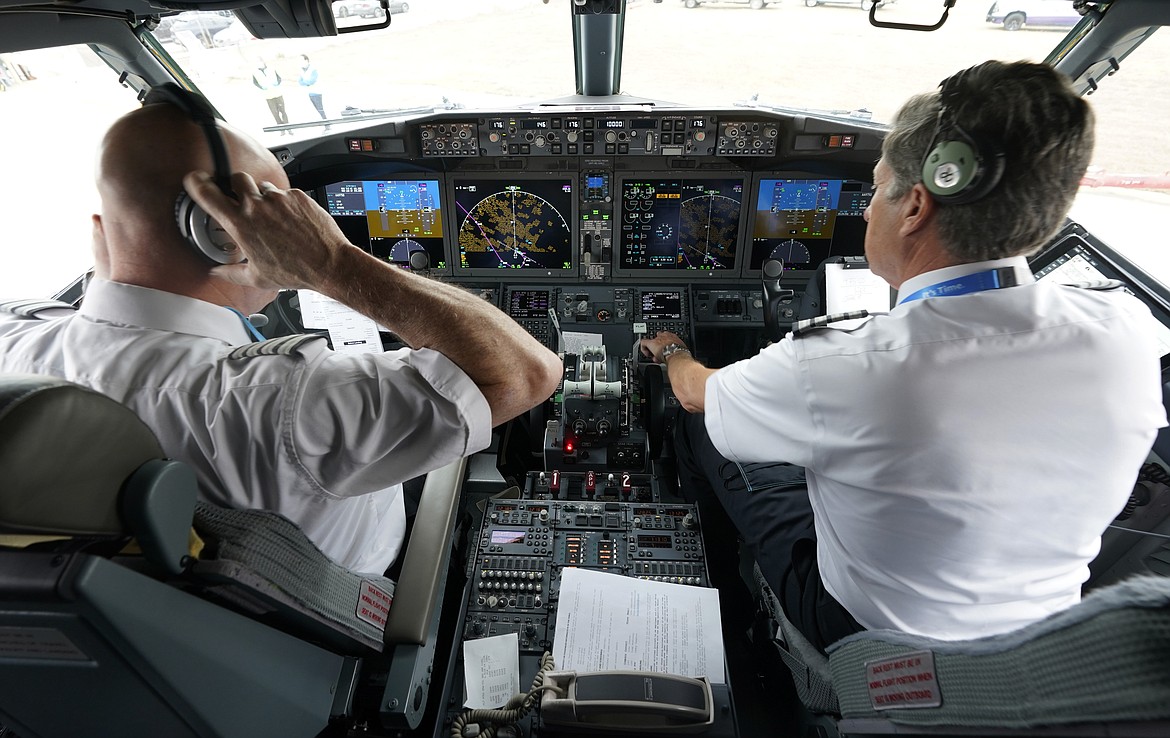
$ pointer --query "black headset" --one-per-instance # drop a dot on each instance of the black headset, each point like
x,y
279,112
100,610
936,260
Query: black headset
x,y
959,168
198,228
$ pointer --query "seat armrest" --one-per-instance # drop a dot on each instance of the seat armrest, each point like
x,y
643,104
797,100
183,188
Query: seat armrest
x,y
157,504
427,556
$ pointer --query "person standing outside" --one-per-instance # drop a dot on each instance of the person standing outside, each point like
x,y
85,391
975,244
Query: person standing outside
x,y
268,81
308,80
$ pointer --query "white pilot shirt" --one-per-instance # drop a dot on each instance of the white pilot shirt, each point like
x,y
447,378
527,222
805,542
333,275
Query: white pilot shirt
x,y
963,453
323,438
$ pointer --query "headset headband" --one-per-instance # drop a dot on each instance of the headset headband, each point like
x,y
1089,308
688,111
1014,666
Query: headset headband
x,y
202,114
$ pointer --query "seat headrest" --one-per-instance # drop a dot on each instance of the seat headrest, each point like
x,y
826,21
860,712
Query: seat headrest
x,y
65,452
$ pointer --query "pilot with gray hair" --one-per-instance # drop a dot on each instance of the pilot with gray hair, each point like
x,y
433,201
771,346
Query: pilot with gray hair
x,y
324,437
963,453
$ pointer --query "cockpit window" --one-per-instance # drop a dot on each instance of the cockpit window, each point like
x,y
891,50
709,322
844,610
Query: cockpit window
x,y
433,55
1125,198
825,56
822,57
55,104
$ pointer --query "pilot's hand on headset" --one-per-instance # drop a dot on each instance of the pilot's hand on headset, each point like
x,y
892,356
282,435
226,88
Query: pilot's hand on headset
x,y
287,238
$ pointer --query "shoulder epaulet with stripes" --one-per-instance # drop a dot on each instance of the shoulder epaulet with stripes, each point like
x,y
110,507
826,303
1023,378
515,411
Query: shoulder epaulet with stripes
x,y
283,346
30,308
1099,285
804,327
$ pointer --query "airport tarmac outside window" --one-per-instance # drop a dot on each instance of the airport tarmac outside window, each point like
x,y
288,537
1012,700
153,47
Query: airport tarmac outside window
x,y
825,58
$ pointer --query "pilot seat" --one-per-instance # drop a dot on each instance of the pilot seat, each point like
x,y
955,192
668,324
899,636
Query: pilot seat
x,y
130,609
1096,669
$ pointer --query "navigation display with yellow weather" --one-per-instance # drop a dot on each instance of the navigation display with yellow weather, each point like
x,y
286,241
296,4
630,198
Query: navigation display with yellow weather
x,y
515,224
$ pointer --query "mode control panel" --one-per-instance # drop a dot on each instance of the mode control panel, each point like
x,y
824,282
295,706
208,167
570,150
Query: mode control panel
x,y
609,134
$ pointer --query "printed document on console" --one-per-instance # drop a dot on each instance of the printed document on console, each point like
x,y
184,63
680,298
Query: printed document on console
x,y
610,622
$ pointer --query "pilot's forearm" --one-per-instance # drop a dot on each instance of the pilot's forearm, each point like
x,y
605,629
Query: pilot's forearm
x,y
688,380
512,369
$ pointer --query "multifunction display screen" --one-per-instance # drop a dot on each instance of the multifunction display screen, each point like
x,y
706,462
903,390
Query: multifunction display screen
x,y
400,221
802,222
502,536
520,224
528,304
662,305
671,223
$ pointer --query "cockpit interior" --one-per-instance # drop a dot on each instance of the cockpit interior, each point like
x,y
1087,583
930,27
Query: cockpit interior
x,y
593,213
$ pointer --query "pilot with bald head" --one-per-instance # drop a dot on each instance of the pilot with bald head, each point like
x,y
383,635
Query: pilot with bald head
x,y
323,437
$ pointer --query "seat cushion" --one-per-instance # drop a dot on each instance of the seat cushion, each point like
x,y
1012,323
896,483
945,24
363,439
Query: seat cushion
x,y
1102,660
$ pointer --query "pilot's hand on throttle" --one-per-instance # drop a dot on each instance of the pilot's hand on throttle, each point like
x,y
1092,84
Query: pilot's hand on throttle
x,y
652,347
287,238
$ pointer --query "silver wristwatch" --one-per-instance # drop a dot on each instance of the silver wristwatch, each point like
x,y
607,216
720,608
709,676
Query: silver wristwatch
x,y
671,349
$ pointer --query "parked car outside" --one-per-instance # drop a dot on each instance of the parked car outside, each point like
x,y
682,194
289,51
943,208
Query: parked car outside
x,y
236,33
202,24
1015,14
863,4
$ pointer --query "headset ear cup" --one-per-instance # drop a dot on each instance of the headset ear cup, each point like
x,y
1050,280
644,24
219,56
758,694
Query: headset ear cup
x,y
949,168
204,234
963,169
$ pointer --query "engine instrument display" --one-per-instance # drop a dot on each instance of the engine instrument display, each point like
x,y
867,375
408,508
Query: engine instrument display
x,y
802,222
670,223
518,224
400,221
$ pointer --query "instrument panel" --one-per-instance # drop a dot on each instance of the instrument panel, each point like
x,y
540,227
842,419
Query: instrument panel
x,y
627,196
612,222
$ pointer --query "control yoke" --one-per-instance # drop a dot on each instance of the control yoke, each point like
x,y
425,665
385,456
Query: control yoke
x,y
773,296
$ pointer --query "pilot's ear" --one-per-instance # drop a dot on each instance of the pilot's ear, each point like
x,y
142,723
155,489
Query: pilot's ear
x,y
917,210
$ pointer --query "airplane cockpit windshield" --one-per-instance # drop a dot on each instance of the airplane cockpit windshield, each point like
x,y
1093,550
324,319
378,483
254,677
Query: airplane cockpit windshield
x,y
511,56
600,171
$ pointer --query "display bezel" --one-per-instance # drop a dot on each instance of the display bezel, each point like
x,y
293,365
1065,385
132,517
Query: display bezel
x,y
368,245
502,179
676,275
802,272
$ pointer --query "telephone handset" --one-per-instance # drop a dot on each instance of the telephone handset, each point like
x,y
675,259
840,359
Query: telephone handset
x,y
630,701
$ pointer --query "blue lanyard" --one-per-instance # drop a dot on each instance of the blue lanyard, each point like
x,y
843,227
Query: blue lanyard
x,y
992,279
247,324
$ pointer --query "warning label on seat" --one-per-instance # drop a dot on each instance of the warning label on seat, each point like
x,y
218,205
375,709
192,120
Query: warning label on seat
x,y
903,682
373,604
